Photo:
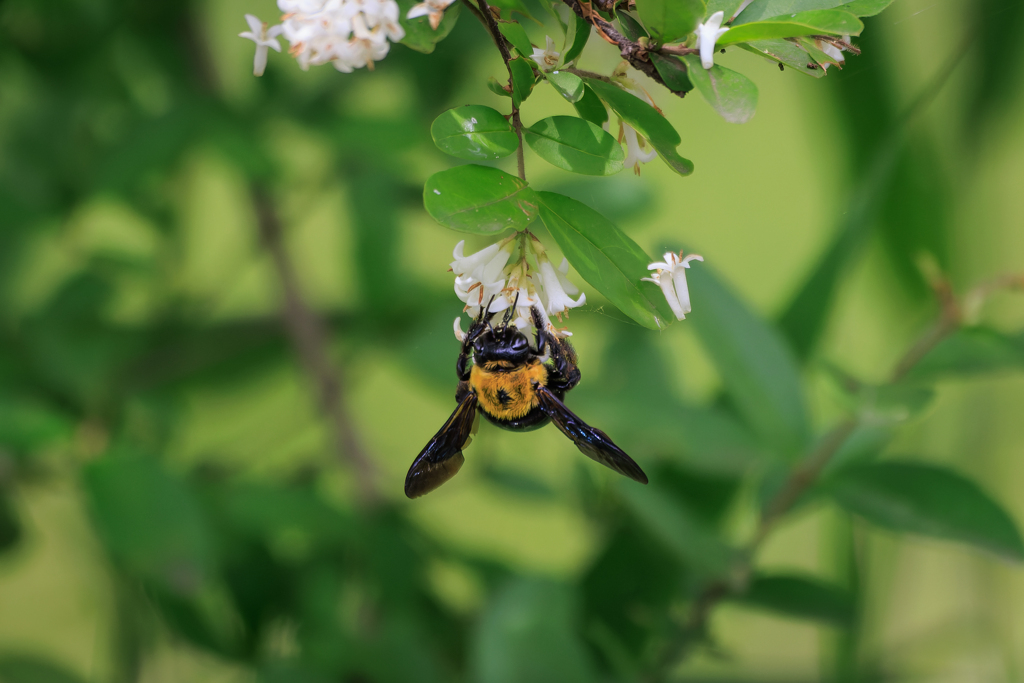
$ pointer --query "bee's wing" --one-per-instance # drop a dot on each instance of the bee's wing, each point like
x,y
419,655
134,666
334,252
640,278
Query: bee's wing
x,y
442,458
591,441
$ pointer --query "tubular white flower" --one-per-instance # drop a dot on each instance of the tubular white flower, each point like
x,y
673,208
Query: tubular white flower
x,y
556,301
707,35
264,38
671,277
546,57
457,327
430,8
635,155
832,51
478,277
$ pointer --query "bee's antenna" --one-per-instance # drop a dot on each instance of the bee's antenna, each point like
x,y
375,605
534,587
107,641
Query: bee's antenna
x,y
511,311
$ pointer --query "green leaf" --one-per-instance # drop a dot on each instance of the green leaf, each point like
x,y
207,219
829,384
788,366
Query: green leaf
x,y
516,34
866,8
150,521
802,597
510,6
669,20
569,86
590,107
971,351
835,22
631,28
726,7
926,499
689,539
579,34
603,255
497,87
647,121
672,71
28,669
730,93
418,34
528,635
816,53
474,132
758,369
575,145
479,199
770,9
522,80
785,52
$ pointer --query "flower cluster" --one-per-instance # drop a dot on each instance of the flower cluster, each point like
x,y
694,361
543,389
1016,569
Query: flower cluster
x,y
491,276
349,34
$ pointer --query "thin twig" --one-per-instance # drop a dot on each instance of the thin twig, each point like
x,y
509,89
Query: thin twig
x,y
506,55
310,343
632,52
586,74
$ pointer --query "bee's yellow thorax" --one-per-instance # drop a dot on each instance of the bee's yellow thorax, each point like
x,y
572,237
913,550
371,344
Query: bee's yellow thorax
x,y
507,394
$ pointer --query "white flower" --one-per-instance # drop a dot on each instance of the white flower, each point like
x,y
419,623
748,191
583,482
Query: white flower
x,y
671,277
635,155
707,35
264,38
554,287
547,56
347,33
457,326
430,8
831,50
478,277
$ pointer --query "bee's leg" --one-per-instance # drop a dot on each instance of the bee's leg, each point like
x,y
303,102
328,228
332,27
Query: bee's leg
x,y
462,391
565,374
542,333
478,327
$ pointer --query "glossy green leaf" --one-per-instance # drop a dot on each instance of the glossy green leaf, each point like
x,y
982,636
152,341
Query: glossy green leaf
x,y
730,93
576,38
569,86
528,634
971,351
28,669
603,255
575,145
673,72
669,20
497,87
801,597
418,34
591,108
510,6
150,522
726,7
759,10
758,369
834,22
474,132
693,542
522,80
516,34
479,199
631,28
647,121
785,52
925,499
865,8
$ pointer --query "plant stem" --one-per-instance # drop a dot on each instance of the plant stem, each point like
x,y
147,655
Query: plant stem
x,y
506,55
310,344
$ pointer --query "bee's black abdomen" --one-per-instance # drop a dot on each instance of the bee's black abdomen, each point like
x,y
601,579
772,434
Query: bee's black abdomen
x,y
535,419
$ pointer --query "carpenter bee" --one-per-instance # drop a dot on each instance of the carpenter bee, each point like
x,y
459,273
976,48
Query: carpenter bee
x,y
515,386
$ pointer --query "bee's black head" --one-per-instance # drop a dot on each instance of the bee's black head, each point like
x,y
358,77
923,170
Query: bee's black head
x,y
502,342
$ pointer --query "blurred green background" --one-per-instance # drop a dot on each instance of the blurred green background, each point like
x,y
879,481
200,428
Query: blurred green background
x,y
171,507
